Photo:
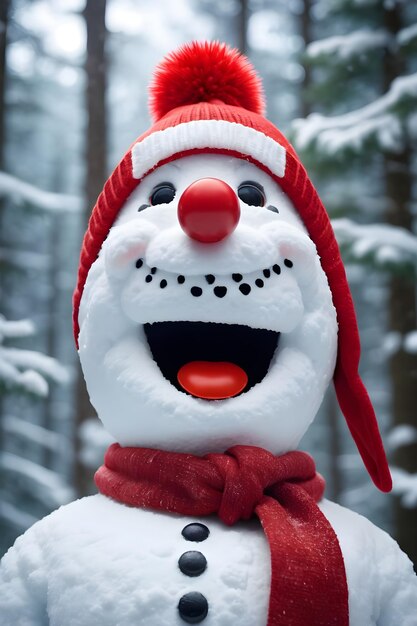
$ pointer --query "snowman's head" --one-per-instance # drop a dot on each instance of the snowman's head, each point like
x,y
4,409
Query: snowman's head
x,y
158,299
210,279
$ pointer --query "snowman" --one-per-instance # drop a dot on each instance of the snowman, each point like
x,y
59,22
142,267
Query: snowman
x,y
211,313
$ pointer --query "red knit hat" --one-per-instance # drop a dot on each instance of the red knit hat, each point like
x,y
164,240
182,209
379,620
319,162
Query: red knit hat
x,y
207,98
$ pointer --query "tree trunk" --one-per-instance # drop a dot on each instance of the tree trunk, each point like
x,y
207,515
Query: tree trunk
x,y
306,27
4,20
96,70
243,26
96,172
4,14
402,298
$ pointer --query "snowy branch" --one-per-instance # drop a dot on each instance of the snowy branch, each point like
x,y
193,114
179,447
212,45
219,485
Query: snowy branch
x,y
43,483
377,120
345,47
405,486
394,341
26,369
410,342
403,435
19,191
34,433
23,259
15,329
15,517
385,245
407,35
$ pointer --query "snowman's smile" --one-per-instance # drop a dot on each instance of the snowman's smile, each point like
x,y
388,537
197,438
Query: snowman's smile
x,y
177,344
219,286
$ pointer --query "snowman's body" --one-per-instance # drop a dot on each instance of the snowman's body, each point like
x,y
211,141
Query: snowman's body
x,y
159,291
96,562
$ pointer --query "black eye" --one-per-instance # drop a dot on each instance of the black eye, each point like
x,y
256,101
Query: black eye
x,y
162,194
251,193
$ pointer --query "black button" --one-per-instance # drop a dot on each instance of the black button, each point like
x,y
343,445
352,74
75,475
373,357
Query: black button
x,y
220,292
192,563
195,532
193,607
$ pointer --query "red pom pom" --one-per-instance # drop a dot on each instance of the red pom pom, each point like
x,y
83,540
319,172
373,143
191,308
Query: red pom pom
x,y
205,72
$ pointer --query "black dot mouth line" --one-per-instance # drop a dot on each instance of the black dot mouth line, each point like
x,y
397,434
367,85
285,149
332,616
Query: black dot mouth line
x,y
218,285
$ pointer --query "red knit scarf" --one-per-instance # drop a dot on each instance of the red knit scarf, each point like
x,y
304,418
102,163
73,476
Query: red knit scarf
x,y
308,580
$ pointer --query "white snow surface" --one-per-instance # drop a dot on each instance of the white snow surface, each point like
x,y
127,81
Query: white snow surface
x,y
351,130
344,47
99,563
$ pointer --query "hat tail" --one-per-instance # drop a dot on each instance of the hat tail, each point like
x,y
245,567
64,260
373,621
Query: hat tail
x,y
360,417
351,393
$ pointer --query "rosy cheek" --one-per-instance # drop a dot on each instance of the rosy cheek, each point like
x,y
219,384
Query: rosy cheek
x,y
125,246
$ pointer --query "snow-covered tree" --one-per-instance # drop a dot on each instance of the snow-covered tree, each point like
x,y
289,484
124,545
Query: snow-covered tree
x,y
33,441
38,254
27,489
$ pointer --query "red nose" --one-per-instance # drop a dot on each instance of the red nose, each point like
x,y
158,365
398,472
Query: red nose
x,y
208,210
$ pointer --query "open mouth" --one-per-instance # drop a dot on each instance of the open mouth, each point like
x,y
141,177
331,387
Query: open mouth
x,y
180,346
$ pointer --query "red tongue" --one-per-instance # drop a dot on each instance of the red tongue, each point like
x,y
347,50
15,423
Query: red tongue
x,y
212,380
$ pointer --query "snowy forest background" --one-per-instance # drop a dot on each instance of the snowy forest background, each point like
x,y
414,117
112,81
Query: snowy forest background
x,y
340,78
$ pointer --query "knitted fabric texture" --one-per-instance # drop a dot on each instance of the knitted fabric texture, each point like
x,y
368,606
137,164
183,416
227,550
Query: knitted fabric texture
x,y
308,578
